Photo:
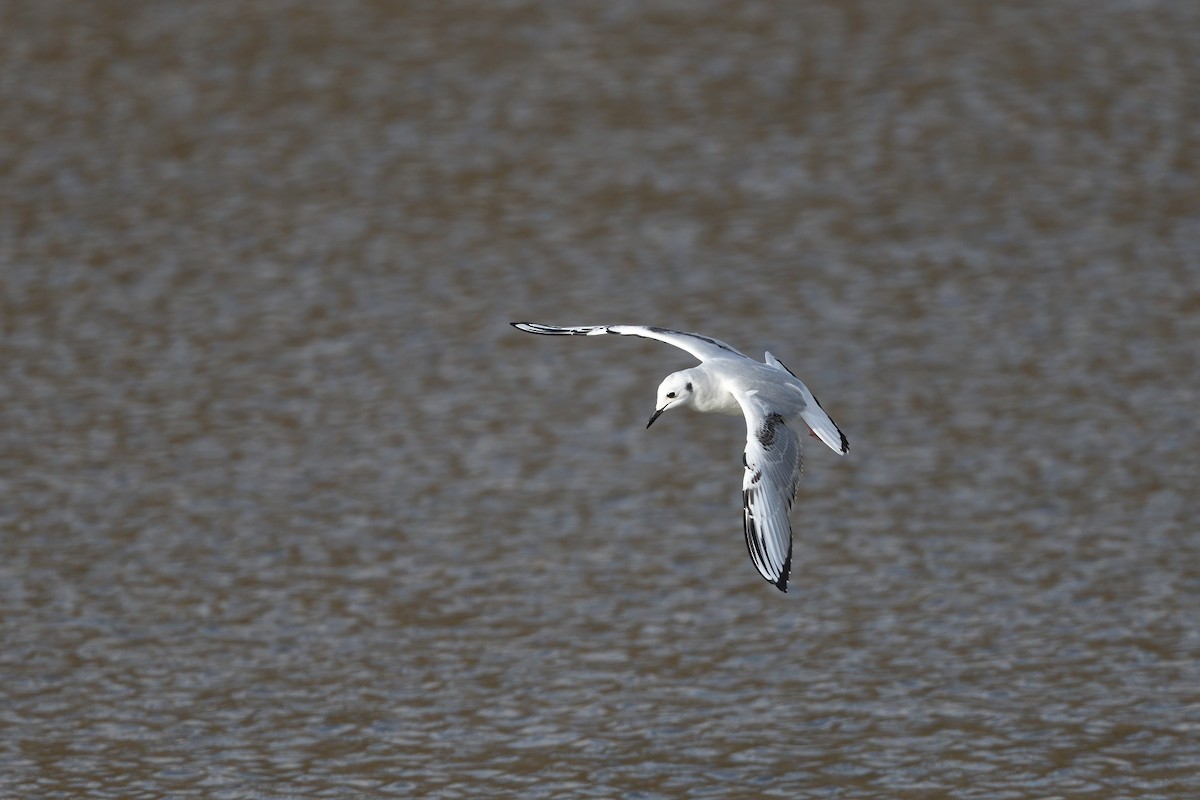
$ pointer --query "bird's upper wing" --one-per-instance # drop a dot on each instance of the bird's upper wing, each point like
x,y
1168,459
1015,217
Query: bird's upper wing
x,y
702,347
772,460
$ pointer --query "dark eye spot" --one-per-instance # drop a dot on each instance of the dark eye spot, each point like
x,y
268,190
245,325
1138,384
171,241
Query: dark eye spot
x,y
689,386
670,394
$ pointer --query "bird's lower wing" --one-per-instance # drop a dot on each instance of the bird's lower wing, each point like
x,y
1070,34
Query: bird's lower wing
x,y
773,461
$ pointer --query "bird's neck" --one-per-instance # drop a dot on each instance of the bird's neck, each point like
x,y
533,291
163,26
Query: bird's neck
x,y
711,397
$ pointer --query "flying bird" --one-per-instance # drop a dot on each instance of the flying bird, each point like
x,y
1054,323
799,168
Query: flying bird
x,y
770,397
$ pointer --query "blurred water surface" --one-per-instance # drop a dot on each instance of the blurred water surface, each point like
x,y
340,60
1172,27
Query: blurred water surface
x,y
288,510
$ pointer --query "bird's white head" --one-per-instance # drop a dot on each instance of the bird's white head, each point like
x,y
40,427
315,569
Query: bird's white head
x,y
677,389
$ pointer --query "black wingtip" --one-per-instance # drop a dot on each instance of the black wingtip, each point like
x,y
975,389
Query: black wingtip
x,y
782,583
845,442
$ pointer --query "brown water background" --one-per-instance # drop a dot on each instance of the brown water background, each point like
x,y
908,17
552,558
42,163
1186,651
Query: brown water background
x,y
288,510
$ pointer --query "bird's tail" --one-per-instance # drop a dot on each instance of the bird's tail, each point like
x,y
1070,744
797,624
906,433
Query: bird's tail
x,y
820,423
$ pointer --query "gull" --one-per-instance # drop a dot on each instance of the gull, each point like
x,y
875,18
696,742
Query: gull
x,y
770,397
